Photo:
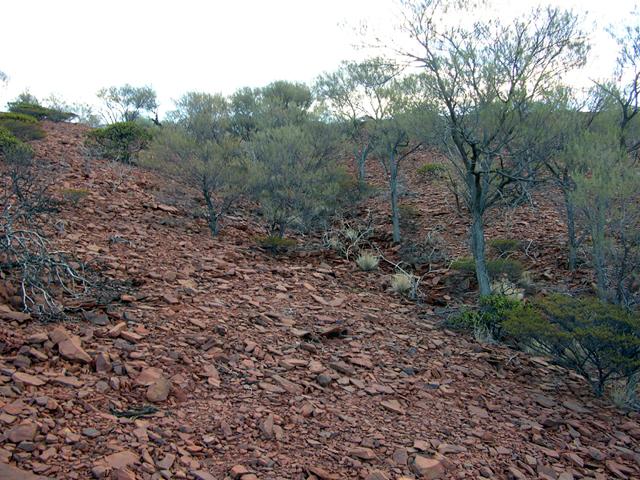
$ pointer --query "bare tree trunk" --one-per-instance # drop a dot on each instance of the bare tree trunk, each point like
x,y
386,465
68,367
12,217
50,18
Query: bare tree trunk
x,y
478,250
571,231
598,252
361,157
393,192
212,214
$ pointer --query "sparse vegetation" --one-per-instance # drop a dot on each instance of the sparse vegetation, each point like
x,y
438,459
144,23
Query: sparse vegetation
x,y
504,246
367,261
121,141
23,127
431,170
74,195
405,284
275,243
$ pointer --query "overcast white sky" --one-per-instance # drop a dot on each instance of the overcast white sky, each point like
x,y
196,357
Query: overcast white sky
x,y
74,47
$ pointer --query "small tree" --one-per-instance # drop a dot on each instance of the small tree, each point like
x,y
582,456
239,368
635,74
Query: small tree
x,y
483,79
128,103
407,123
355,96
199,149
295,181
607,192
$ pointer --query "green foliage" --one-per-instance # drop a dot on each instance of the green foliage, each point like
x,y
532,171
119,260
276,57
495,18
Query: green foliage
x,y
7,140
507,267
41,113
486,321
23,127
213,166
128,103
122,141
19,117
503,246
275,243
599,340
74,195
431,170
295,181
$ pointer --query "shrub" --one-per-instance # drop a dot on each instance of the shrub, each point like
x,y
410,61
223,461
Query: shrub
x,y
486,321
404,284
39,112
499,267
367,261
23,127
599,340
503,246
431,170
121,141
275,243
74,195
7,140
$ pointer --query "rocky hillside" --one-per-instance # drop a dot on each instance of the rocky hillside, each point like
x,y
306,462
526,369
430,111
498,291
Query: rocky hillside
x,y
224,362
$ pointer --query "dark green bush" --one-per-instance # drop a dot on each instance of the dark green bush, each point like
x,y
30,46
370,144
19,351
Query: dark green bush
x,y
121,141
21,117
7,140
502,246
39,112
22,126
599,340
498,268
489,316
275,244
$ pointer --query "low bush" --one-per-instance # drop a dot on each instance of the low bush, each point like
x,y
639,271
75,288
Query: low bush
x,y
275,244
486,321
367,261
122,141
599,340
431,170
74,195
7,141
503,246
498,268
40,113
23,127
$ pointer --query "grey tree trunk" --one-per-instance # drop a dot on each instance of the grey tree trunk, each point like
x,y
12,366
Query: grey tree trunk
x,y
211,213
393,192
478,250
598,252
361,157
571,231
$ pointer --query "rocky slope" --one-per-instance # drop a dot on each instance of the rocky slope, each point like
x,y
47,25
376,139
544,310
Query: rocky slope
x,y
295,367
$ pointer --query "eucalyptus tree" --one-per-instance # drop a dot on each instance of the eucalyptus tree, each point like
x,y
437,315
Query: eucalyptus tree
x,y
483,77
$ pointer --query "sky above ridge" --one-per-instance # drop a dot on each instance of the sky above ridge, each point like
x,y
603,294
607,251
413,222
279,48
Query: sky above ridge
x,y
71,48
